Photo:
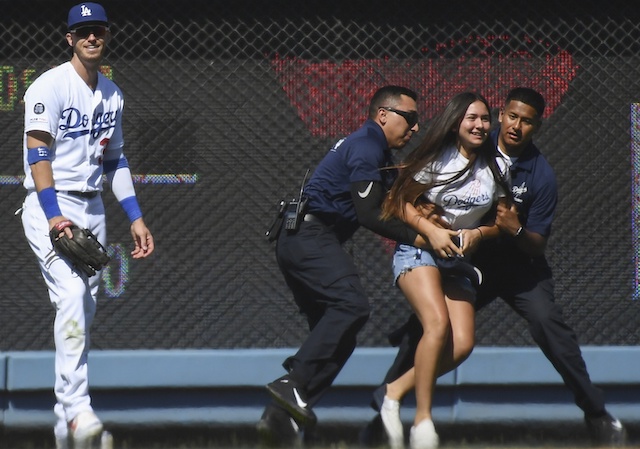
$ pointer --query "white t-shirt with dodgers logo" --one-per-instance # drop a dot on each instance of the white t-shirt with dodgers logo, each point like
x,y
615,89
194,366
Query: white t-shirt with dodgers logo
x,y
468,199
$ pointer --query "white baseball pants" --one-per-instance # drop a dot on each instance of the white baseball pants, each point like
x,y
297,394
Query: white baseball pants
x,y
73,296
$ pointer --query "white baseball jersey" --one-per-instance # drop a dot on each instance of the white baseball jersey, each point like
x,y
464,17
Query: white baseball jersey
x,y
466,200
83,123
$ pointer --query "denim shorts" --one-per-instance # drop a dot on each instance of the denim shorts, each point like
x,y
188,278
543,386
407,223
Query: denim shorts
x,y
407,257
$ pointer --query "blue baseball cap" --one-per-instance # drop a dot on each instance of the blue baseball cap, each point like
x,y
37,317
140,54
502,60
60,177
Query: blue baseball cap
x,y
87,14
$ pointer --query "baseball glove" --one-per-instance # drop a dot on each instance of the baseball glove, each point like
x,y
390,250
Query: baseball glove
x,y
84,251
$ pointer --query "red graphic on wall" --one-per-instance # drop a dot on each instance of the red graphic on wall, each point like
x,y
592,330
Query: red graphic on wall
x,y
331,98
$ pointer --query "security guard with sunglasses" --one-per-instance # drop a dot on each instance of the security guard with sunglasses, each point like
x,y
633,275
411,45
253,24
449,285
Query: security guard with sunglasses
x,y
345,191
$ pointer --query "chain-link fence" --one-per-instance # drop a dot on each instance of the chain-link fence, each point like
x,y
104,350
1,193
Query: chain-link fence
x,y
227,105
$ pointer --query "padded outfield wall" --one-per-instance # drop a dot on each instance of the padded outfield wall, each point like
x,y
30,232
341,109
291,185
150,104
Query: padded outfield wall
x,y
227,105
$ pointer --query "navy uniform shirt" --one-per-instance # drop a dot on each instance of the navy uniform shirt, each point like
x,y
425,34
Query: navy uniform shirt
x,y
535,194
358,157
534,189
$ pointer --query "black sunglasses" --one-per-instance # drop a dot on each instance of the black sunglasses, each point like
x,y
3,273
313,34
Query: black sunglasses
x,y
98,31
410,117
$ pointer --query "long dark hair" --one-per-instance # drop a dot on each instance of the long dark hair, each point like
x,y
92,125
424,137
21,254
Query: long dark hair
x,y
442,133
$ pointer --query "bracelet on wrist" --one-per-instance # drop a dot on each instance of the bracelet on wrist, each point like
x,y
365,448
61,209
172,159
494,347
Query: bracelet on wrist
x,y
481,234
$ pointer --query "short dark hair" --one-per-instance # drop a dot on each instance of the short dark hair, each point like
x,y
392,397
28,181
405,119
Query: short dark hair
x,y
389,96
527,96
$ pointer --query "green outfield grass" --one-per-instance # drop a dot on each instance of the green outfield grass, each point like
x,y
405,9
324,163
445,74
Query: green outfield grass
x,y
477,436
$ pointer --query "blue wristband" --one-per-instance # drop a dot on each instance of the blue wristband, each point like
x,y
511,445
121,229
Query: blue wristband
x,y
131,208
49,202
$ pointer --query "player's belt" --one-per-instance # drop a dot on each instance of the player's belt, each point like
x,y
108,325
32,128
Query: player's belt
x,y
88,195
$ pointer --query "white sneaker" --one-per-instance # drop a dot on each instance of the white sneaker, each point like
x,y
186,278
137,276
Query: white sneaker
x,y
62,443
390,414
106,440
84,429
424,436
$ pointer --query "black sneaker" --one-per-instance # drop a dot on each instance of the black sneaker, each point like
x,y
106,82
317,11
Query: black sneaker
x,y
286,392
606,431
277,428
373,434
378,397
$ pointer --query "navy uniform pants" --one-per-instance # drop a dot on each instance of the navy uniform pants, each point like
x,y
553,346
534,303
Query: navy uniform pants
x,y
327,289
529,291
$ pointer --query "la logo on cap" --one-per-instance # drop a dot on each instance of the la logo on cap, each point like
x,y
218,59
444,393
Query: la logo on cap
x,y
85,11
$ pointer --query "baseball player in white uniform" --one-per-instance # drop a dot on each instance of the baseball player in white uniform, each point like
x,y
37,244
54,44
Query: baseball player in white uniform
x,y
72,136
